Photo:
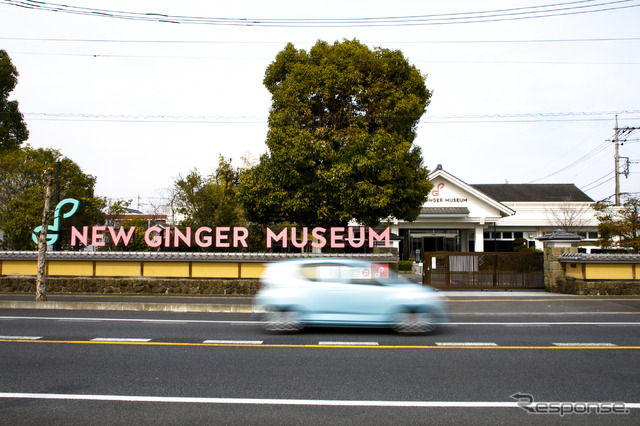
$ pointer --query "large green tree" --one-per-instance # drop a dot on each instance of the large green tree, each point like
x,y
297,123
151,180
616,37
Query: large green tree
x,y
22,195
209,200
619,226
340,143
13,130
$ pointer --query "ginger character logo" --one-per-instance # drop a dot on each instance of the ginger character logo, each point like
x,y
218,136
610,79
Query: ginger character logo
x,y
436,191
52,230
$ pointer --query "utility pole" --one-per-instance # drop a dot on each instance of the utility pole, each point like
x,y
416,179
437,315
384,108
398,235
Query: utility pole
x,y
56,246
625,131
42,239
617,158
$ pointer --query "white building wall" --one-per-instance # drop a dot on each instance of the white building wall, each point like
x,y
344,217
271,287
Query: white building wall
x,y
451,196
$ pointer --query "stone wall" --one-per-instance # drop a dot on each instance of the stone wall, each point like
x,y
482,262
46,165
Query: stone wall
x,y
131,285
600,287
554,276
556,281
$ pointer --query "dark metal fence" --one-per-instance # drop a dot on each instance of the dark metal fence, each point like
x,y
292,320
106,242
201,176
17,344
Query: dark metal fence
x,y
453,270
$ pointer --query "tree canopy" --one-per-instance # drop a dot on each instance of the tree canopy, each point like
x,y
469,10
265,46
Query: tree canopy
x,y
209,201
13,130
340,143
619,226
213,201
22,194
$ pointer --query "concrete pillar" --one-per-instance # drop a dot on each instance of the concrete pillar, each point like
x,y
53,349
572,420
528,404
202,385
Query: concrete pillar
x,y
479,244
554,273
556,244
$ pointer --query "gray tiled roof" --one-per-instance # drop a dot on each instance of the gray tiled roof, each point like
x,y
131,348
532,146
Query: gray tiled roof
x,y
448,211
533,192
150,256
599,258
560,235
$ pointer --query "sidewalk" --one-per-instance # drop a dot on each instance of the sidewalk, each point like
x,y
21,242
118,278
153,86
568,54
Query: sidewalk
x,y
204,303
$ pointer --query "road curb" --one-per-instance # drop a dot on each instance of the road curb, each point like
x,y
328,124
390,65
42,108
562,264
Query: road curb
x,y
128,306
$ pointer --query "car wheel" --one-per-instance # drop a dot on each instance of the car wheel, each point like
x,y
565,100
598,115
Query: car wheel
x,y
413,323
282,320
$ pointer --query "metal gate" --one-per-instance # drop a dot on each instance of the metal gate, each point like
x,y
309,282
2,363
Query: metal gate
x,y
457,270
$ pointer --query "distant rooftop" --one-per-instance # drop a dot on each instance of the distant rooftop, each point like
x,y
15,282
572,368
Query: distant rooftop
x,y
132,211
544,192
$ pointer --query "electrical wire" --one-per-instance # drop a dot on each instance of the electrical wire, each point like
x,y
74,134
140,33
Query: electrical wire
x,y
593,185
607,175
454,119
597,150
429,61
510,14
84,40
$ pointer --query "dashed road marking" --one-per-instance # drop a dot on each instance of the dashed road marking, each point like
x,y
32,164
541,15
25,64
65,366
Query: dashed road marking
x,y
20,337
234,342
348,343
466,344
583,344
119,339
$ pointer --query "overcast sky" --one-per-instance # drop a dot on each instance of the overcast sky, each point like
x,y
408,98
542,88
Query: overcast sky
x,y
518,96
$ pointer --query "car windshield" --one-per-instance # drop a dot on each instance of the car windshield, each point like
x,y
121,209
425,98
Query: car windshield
x,y
373,274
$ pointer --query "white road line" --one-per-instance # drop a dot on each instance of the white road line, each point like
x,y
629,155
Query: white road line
x,y
20,337
271,401
348,343
583,344
537,324
526,325
154,321
119,339
466,344
235,342
183,321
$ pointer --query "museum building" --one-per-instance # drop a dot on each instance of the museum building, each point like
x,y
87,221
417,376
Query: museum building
x,y
461,217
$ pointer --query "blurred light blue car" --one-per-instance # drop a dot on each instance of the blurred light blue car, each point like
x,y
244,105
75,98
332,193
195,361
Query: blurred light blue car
x,y
345,292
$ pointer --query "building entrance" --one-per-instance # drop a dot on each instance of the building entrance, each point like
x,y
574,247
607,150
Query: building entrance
x,y
441,243
420,241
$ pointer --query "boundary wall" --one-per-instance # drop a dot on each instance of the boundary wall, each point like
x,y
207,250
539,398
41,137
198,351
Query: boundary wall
x,y
595,274
149,272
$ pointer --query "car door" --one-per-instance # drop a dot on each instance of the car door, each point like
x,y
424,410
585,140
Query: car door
x,y
343,293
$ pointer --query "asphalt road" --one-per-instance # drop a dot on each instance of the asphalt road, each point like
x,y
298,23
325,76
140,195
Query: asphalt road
x,y
100,367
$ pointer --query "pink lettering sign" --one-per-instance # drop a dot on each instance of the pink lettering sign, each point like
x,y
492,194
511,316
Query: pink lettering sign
x,y
224,236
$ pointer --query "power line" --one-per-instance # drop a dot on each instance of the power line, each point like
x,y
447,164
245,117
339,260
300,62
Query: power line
x,y
597,150
512,14
458,118
134,41
596,183
431,61
599,185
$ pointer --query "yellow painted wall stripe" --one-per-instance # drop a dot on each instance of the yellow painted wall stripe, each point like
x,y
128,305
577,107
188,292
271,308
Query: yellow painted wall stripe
x,y
75,268
218,270
117,269
166,269
603,271
251,270
133,269
19,267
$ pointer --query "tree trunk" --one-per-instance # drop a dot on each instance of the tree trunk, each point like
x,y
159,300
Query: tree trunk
x,y
42,239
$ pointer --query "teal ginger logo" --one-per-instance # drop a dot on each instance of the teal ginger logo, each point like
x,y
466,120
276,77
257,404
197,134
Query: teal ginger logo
x,y
52,230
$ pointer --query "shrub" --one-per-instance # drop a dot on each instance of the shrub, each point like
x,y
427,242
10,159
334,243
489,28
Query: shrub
x,y
405,265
